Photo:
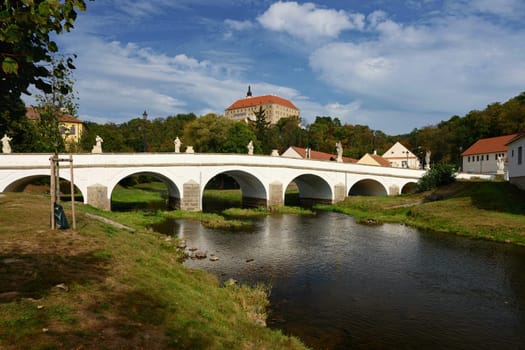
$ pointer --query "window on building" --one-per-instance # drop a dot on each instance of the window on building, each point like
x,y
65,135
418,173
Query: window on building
x,y
520,154
512,153
72,130
62,129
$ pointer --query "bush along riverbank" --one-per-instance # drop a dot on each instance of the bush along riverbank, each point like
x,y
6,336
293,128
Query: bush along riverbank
x,y
483,210
104,286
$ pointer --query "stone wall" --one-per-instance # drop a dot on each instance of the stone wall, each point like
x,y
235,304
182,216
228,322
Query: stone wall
x,y
519,182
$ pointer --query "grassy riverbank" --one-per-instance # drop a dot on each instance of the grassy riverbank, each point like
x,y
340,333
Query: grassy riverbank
x,y
484,210
103,287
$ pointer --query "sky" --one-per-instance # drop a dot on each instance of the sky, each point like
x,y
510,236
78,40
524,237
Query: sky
x,y
394,65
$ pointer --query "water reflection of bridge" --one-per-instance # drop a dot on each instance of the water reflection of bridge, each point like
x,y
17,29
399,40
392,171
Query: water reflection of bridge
x,y
262,179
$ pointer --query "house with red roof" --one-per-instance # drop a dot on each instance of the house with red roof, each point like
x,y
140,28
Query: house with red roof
x,y
374,159
71,128
274,107
516,161
306,153
482,156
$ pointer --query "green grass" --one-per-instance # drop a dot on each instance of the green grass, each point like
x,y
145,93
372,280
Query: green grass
x,y
484,210
124,289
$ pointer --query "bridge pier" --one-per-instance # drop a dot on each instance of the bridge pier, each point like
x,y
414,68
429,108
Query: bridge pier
x,y
97,197
191,196
275,194
339,193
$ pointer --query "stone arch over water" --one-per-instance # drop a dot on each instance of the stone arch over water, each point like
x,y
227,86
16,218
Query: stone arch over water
x,y
253,191
313,189
367,187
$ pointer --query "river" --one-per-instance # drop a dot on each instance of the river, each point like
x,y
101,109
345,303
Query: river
x,y
336,284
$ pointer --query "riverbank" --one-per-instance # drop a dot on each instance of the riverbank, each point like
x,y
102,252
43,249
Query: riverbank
x,y
102,286
482,210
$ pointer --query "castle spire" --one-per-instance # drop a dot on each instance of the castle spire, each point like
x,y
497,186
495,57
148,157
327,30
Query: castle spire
x,y
249,93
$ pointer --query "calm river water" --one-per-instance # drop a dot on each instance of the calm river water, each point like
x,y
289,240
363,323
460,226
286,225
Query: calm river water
x,y
340,285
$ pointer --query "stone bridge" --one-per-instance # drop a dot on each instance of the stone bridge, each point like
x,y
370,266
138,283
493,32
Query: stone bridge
x,y
263,179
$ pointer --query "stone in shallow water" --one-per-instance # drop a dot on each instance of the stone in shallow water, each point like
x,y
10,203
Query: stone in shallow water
x,y
200,254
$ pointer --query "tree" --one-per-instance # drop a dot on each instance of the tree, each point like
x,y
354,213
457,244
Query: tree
x,y
207,134
440,174
26,50
261,126
239,135
62,98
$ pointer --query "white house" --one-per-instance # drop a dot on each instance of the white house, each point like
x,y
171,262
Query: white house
x,y
516,164
482,156
400,157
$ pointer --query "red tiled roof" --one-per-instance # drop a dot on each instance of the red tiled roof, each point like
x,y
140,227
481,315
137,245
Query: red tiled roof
x,y
316,155
380,160
489,145
518,137
261,100
33,114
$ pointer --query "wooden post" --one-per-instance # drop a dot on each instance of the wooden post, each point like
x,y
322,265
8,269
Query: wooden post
x,y
52,190
72,192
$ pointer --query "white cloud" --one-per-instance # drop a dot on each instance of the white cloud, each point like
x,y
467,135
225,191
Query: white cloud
x,y
238,25
306,21
117,81
439,67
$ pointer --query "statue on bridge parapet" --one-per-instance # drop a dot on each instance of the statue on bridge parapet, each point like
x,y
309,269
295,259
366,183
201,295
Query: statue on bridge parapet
x,y
6,147
500,165
177,144
427,160
250,148
189,149
97,148
339,148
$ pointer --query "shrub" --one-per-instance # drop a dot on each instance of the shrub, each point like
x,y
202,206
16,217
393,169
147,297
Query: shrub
x,y
438,175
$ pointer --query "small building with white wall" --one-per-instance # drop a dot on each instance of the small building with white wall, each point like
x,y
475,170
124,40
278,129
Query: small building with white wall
x,y
401,157
516,164
482,156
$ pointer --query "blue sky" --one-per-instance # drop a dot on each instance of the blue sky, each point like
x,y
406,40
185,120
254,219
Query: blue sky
x,y
391,65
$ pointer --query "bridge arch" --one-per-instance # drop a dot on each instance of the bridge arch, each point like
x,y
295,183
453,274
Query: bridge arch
x,y
252,189
174,196
367,187
21,183
312,189
409,187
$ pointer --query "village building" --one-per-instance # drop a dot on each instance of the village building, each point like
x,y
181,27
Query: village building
x,y
401,157
71,128
516,161
374,159
482,157
306,153
274,108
